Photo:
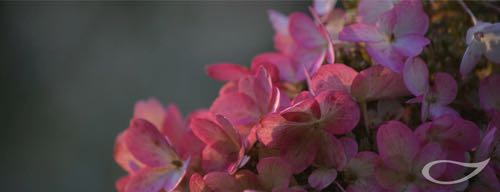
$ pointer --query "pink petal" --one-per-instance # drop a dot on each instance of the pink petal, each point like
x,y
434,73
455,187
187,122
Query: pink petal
x,y
378,82
260,88
411,45
324,7
339,112
360,33
121,183
428,153
383,53
151,110
274,173
221,181
363,164
277,132
369,11
416,76
287,71
305,32
301,153
397,145
445,87
279,21
322,178
227,71
174,127
196,183
123,156
246,112
247,179
350,147
229,87
210,132
153,180
309,59
333,77
302,112
437,111
216,157
410,19
489,91
330,153
148,145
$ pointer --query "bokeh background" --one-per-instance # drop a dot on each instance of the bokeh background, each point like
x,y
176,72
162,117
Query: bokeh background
x,y
70,73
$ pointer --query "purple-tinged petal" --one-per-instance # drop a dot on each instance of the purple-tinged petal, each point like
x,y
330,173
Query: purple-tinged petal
x,y
301,153
397,145
148,145
383,53
428,153
437,111
489,93
323,7
331,152
410,20
274,173
470,59
361,33
416,76
350,147
305,32
147,180
279,21
322,178
287,70
369,11
445,88
333,77
410,45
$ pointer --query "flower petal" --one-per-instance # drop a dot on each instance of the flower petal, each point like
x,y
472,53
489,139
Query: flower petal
x,y
410,19
321,178
274,173
411,45
151,110
397,145
301,153
305,32
227,71
369,11
123,156
221,181
340,114
333,77
378,82
445,87
470,59
330,153
489,91
246,112
360,33
416,76
385,54
148,145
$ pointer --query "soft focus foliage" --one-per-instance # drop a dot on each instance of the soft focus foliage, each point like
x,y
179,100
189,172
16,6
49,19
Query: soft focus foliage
x,y
300,119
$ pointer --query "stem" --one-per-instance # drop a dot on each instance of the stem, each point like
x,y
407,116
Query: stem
x,y
488,4
473,18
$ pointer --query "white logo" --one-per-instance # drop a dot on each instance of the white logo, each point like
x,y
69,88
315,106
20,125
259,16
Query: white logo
x,y
479,167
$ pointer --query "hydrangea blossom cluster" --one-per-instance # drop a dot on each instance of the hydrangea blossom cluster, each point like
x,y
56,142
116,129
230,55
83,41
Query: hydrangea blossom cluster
x,y
298,121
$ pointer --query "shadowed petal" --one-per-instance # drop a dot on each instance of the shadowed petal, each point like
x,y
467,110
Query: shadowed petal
x,y
322,177
274,173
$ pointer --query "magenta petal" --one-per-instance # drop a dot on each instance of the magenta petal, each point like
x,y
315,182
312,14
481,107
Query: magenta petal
x,y
304,31
416,76
436,111
274,173
378,82
174,127
246,112
148,145
385,54
210,132
410,19
287,70
445,87
301,153
428,153
350,147
279,21
360,33
369,11
411,45
321,178
227,71
339,112
221,181
151,110
333,77
397,144
123,156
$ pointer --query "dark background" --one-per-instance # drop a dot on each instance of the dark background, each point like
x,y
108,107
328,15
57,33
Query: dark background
x,y
70,74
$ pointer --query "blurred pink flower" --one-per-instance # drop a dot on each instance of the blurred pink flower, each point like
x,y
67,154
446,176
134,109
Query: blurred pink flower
x,y
396,35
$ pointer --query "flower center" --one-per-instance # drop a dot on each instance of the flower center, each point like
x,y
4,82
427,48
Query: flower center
x,y
411,177
177,163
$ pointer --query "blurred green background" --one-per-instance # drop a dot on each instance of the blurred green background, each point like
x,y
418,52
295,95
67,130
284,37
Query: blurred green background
x,y
71,72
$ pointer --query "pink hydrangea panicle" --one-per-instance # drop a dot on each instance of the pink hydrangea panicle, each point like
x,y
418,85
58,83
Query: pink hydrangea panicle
x,y
396,35
225,149
402,158
436,96
153,163
304,132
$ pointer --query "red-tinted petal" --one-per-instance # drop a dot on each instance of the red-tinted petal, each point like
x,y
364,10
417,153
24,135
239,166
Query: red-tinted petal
x,y
333,77
445,87
397,145
227,71
151,110
274,173
378,82
339,113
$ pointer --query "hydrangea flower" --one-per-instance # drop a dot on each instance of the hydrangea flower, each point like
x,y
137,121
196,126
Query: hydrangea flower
x,y
488,179
481,39
304,132
396,35
402,158
153,165
435,97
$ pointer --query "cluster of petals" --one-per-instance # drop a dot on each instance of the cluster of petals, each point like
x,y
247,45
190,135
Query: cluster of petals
x,y
291,121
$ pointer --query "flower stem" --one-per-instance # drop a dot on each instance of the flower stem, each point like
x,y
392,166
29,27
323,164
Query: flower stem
x,y
466,8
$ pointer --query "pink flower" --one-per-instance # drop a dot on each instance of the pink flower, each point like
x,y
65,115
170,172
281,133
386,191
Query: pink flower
x,y
234,72
489,91
225,149
274,174
254,96
153,165
481,39
302,45
360,173
397,35
374,83
435,97
170,123
304,132
402,158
